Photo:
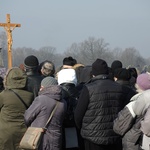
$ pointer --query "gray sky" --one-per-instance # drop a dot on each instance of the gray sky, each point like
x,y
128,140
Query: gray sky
x,y
59,23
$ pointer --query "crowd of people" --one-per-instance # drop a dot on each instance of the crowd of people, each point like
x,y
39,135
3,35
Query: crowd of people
x,y
100,107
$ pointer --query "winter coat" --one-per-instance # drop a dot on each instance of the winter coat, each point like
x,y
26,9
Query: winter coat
x,y
130,92
128,122
98,105
33,81
130,130
85,74
145,128
38,113
12,126
85,77
70,94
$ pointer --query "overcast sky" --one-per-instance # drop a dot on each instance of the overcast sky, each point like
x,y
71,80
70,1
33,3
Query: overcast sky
x,y
59,23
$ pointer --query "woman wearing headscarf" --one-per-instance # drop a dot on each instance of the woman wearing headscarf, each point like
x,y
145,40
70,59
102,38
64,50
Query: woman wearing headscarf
x,y
12,126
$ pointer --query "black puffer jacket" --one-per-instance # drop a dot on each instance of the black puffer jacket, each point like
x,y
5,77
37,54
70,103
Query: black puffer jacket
x,y
97,107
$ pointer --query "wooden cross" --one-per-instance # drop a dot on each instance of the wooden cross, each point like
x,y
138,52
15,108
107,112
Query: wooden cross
x,y
9,27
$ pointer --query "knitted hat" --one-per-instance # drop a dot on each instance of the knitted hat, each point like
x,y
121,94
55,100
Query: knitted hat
x,y
122,74
116,64
48,68
31,61
48,81
143,81
69,61
99,67
67,76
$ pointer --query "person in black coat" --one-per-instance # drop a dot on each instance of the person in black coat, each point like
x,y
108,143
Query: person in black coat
x,y
134,74
98,105
68,81
115,65
34,79
123,76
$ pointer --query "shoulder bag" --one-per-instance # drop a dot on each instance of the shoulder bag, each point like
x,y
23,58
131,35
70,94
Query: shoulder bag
x,y
20,98
33,135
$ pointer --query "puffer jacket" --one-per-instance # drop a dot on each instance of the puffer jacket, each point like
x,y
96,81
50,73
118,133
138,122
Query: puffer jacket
x,y
128,122
98,105
145,128
39,111
12,126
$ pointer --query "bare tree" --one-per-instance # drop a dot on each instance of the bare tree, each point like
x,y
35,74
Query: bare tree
x,y
147,61
89,50
19,55
132,57
117,52
93,49
46,53
73,51
85,52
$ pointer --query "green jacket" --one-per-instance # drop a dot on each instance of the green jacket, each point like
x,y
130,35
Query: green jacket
x,y
12,126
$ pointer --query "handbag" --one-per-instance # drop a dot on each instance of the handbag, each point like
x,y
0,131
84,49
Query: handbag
x,y
33,135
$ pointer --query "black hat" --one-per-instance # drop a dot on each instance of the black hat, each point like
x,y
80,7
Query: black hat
x,y
133,72
99,67
116,64
122,74
69,61
31,61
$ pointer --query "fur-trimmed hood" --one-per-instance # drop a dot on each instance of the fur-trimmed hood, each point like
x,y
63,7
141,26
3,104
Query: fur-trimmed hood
x,y
77,66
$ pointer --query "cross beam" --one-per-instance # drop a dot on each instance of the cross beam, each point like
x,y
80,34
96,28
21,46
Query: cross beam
x,y
9,27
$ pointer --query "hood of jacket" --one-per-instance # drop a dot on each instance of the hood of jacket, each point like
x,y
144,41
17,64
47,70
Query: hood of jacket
x,y
15,78
54,92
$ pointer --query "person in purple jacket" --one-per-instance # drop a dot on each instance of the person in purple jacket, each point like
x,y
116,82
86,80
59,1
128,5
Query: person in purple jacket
x,y
39,111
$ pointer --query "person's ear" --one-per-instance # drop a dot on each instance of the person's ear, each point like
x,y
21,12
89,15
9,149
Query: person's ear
x,y
115,79
41,88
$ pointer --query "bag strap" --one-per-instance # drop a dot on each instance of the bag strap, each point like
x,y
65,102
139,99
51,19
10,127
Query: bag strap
x,y
51,115
20,98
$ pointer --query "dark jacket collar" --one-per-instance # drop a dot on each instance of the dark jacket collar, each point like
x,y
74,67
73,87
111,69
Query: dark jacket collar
x,y
31,72
122,82
99,77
